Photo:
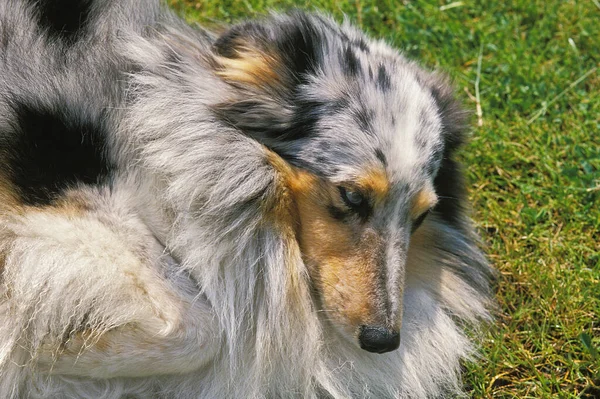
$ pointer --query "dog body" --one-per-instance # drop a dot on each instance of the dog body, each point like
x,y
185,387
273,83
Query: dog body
x,y
253,213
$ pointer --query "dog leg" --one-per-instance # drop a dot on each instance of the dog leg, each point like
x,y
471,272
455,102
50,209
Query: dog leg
x,y
91,293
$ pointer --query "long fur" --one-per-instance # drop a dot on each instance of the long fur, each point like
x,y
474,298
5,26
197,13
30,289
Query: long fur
x,y
163,260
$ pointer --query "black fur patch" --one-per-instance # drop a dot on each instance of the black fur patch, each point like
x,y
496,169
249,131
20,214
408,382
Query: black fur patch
x,y
452,115
449,183
63,19
363,213
338,105
267,127
381,156
418,222
306,117
384,82
48,150
361,44
301,45
339,214
251,117
364,119
450,188
297,43
350,63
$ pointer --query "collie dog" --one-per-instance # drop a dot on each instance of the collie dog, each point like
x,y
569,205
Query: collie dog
x,y
273,210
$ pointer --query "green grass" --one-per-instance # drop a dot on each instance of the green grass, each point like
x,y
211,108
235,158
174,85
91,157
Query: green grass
x,y
533,167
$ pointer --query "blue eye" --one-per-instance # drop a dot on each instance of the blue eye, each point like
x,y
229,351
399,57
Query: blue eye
x,y
352,198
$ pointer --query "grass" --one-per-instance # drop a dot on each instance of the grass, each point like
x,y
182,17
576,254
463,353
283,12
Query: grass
x,y
533,166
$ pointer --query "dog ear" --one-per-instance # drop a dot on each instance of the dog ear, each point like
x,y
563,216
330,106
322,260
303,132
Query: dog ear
x,y
267,62
449,181
453,116
274,53
246,59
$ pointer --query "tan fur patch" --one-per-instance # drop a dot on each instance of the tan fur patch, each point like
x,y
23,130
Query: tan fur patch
x,y
283,213
252,67
342,260
423,201
376,183
283,209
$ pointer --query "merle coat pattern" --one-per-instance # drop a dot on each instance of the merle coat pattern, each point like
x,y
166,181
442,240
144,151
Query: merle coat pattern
x,y
269,211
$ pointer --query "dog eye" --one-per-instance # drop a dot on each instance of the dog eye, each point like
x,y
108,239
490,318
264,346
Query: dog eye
x,y
419,221
352,198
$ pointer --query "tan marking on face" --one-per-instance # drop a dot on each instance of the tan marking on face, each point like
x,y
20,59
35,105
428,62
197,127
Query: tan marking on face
x,y
423,201
375,183
283,213
250,66
346,276
283,209
342,258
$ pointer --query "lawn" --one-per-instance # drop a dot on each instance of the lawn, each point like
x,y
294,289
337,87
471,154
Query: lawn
x,y
533,166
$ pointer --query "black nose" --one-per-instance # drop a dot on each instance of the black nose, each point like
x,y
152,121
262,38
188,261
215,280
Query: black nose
x,y
378,339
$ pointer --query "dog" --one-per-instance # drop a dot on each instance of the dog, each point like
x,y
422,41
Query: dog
x,y
268,210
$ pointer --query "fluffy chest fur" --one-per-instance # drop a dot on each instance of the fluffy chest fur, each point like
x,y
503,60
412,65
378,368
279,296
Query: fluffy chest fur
x,y
272,211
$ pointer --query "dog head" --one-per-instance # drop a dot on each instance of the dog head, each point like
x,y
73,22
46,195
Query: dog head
x,y
359,133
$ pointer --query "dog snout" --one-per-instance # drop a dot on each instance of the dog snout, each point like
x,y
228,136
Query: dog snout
x,y
378,339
